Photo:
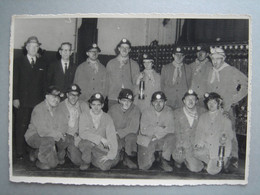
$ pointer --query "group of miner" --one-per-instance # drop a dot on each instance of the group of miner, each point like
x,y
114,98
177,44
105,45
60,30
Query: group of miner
x,y
182,116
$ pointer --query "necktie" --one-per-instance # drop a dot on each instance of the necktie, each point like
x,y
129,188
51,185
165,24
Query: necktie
x,y
32,62
66,68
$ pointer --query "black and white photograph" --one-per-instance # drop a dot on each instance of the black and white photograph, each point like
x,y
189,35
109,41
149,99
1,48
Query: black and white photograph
x,y
130,99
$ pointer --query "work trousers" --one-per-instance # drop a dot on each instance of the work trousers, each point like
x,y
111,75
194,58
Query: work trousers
x,y
186,156
146,154
92,153
23,117
46,150
68,147
128,143
203,154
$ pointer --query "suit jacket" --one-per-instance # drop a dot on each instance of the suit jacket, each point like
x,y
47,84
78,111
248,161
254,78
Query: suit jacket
x,y
57,77
29,83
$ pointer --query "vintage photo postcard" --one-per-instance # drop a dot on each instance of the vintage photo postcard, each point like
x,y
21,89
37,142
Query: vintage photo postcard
x,y
130,99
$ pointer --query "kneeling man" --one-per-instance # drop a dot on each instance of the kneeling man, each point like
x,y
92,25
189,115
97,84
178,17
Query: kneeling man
x,y
185,123
43,133
126,117
99,142
156,133
68,113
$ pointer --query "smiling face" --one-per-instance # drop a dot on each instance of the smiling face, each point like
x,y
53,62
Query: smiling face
x,y
73,97
124,50
52,100
96,107
125,104
202,55
65,52
212,105
190,101
158,105
178,57
32,49
93,54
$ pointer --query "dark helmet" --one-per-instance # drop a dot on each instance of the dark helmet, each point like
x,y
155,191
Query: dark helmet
x,y
178,50
190,92
93,46
124,41
202,47
74,87
147,57
212,96
158,95
126,94
98,97
55,91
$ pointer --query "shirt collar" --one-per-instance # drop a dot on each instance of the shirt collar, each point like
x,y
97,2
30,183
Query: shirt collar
x,y
63,62
31,57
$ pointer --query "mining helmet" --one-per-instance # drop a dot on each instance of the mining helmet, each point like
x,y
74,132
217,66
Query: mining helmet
x,y
126,94
74,88
93,46
124,41
97,96
55,91
211,96
190,92
159,95
147,57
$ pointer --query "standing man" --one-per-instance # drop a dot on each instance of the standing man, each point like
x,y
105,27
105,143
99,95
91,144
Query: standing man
x,y
122,72
43,134
176,79
68,113
99,143
29,85
61,73
200,72
156,133
91,75
230,84
185,123
226,80
126,117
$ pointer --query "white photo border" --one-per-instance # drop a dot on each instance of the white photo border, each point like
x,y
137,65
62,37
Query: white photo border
x,y
129,182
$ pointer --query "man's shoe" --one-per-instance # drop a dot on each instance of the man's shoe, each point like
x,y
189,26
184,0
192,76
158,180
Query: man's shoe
x,y
42,165
32,156
129,163
84,167
61,162
165,166
178,165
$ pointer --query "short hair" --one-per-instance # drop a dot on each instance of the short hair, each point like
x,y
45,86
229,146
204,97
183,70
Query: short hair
x,y
65,43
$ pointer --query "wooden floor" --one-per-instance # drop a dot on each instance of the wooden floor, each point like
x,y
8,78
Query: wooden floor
x,y
26,168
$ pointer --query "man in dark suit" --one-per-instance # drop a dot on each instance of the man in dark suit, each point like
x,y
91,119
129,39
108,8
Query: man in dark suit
x,y
29,84
61,73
